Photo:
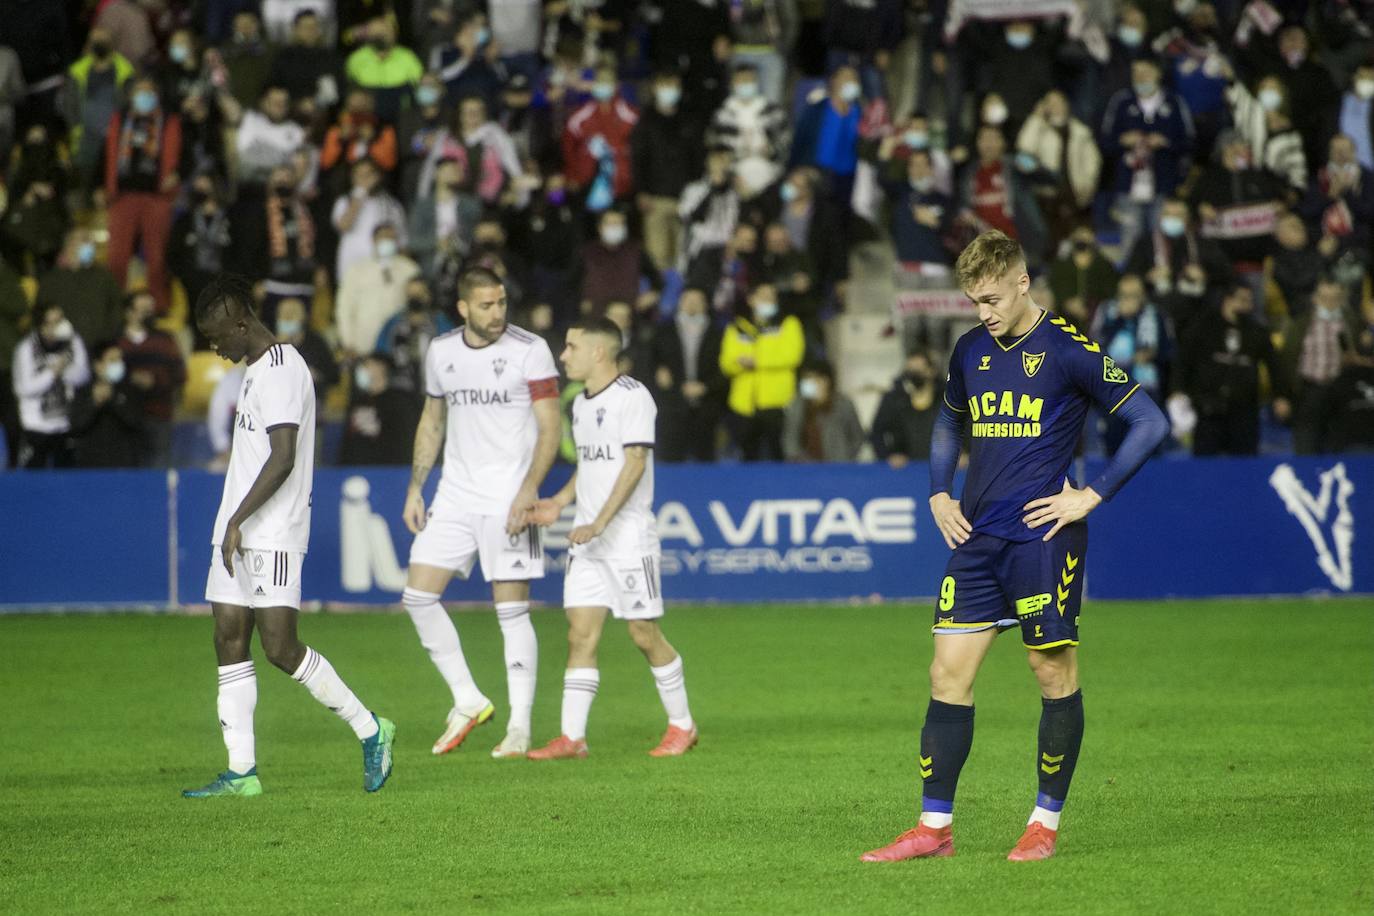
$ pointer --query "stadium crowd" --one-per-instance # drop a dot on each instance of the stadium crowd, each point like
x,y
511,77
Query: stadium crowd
x,y
1191,183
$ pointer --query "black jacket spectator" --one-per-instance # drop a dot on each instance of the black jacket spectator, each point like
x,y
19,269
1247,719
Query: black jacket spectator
x,y
906,414
689,387
108,425
667,151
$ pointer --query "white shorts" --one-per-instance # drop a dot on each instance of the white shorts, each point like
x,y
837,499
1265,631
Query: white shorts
x,y
453,540
628,586
262,578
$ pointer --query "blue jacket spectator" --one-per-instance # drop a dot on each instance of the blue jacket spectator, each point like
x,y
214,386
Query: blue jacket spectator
x,y
921,214
1147,128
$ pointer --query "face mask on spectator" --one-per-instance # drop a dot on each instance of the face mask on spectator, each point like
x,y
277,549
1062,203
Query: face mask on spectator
x,y
145,101
809,389
996,113
1019,40
1082,245
1295,57
765,311
386,248
919,379
1130,36
922,184
746,91
667,96
1270,99
613,235
603,92
289,327
362,378
101,49
850,92
85,254
380,42
1145,90
1171,226
417,305
1364,88
179,53
483,36
113,372
788,193
427,95
1348,170
64,332
693,321
1184,7
916,139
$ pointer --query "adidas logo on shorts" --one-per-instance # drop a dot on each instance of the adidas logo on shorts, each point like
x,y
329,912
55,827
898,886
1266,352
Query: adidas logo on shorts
x,y
638,606
517,565
259,591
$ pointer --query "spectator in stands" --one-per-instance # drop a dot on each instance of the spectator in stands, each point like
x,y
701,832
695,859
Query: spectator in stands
x,y
1357,113
267,138
1315,100
293,327
922,217
49,365
359,134
1295,265
1316,347
12,89
691,38
790,271
108,423
614,266
131,34
993,194
754,128
490,162
1126,45
379,427
516,30
1217,376
388,70
469,67
357,215
418,132
405,338
827,138
906,415
860,35
1179,265
307,68
1082,277
906,138
181,73
741,269
762,34
760,353
1354,426
821,424
1197,69
1017,63
636,341
1063,162
153,359
688,384
1340,204
809,217
529,126
1232,197
14,312
1147,135
275,239
86,291
491,249
37,217
442,225
1264,120
203,119
554,231
709,209
142,155
1134,334
201,239
90,98
373,289
246,59
667,155
596,145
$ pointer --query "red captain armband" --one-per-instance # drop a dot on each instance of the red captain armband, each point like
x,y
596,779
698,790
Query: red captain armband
x,y
542,388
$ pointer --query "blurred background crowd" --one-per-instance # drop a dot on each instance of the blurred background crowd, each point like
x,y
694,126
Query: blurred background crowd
x,y
766,196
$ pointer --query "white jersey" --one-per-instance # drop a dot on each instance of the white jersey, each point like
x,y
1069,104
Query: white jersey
x,y
620,415
491,427
277,391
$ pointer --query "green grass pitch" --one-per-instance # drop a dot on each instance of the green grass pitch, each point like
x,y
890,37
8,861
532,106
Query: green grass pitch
x,y
1228,767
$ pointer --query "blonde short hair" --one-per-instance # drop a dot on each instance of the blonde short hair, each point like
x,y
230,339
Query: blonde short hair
x,y
988,257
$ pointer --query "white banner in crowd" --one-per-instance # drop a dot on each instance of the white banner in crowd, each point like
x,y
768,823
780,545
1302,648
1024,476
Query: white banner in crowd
x,y
1241,222
960,11
936,303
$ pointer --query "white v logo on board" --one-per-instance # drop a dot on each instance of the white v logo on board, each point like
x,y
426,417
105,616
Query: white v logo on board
x,y
1312,512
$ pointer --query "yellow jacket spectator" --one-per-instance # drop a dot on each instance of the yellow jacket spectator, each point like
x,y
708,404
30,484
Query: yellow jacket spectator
x,y
390,71
760,356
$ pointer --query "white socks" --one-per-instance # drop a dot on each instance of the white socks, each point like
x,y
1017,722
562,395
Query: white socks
x,y
325,685
936,819
522,660
238,695
440,638
1045,816
579,689
672,690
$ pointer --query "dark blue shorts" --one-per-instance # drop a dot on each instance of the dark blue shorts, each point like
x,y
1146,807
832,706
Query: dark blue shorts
x,y
991,583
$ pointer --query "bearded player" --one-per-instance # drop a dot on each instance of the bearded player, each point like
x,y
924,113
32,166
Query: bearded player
x,y
1020,385
493,404
260,537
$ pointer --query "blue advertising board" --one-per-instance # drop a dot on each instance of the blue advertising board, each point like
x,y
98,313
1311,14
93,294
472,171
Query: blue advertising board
x,y
1195,527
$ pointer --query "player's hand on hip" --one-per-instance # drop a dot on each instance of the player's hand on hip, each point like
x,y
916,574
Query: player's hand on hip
x,y
233,543
545,512
949,518
582,534
1063,508
414,512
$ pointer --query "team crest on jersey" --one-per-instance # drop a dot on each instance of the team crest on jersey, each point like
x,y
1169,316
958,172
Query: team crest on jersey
x,y
1111,372
449,367
498,366
600,415
1031,362
985,364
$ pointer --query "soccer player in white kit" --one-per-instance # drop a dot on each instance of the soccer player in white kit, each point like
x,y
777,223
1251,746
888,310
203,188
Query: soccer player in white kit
x,y
260,538
493,403
614,561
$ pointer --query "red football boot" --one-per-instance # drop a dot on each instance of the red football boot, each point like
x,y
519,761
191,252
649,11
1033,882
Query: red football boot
x,y
920,842
560,748
1036,843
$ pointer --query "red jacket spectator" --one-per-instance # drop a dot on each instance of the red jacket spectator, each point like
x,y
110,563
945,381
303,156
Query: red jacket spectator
x,y
612,121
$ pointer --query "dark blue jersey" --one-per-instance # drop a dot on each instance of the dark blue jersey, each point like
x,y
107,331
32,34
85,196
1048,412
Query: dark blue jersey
x,y
1022,404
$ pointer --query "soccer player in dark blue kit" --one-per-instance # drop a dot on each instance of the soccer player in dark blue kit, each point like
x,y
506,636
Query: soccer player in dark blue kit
x,y
1019,387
